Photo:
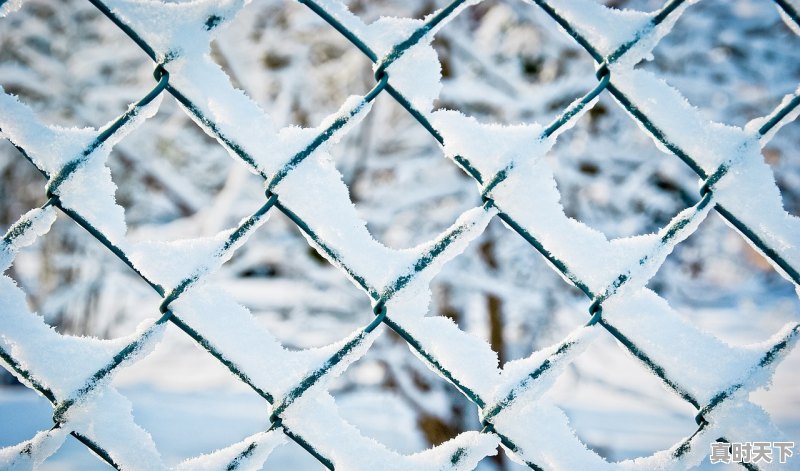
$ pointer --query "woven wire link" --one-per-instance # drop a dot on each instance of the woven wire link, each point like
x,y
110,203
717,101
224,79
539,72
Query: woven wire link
x,y
381,295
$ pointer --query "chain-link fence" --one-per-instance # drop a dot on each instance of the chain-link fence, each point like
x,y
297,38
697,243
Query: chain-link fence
x,y
505,164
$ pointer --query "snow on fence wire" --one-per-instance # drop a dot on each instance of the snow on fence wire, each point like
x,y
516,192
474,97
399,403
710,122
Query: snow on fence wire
x,y
301,182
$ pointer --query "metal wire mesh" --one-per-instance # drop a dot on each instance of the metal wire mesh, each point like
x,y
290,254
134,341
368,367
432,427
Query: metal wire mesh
x,y
380,296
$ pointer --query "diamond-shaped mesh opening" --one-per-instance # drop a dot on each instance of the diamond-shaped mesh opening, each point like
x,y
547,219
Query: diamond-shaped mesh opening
x,y
180,390
290,288
377,165
482,62
617,407
235,194
311,313
290,62
731,77
613,178
78,287
392,397
499,306
716,259
151,168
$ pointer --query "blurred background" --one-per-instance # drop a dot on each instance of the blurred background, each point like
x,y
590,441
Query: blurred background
x,y
502,61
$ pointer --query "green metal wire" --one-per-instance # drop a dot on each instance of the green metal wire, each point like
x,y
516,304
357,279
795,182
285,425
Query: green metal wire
x,y
381,296
565,117
163,77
